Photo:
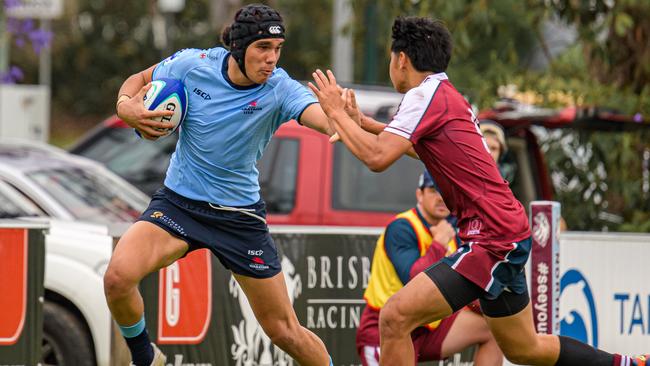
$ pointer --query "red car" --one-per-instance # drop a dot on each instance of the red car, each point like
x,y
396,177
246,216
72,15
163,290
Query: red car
x,y
305,180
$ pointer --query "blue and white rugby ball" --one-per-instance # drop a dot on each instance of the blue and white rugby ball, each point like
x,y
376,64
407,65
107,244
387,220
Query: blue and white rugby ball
x,y
170,95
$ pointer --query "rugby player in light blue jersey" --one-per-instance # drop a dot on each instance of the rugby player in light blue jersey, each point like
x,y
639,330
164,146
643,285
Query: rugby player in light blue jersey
x,y
210,199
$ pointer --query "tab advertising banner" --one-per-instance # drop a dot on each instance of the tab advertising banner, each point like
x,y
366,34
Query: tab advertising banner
x,y
605,291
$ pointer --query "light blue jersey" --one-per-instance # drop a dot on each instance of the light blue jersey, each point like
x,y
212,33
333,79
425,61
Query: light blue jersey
x,y
227,126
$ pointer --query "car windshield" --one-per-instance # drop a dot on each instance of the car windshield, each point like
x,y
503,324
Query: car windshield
x,y
89,195
13,204
145,163
357,188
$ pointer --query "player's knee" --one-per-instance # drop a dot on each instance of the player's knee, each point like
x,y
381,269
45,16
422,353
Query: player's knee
x,y
283,335
392,320
116,285
519,355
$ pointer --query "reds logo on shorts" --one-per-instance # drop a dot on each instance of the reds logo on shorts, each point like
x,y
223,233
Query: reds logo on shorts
x,y
185,299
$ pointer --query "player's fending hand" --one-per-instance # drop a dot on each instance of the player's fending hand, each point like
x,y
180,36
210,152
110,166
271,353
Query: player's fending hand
x,y
327,92
351,106
134,114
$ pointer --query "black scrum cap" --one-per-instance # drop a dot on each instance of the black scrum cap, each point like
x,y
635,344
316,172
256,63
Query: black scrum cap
x,y
253,22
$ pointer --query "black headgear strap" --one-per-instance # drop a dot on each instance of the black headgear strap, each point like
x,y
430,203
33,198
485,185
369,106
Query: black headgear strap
x,y
253,22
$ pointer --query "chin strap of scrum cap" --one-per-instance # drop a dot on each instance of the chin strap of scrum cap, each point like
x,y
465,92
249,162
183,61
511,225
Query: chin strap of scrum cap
x,y
253,22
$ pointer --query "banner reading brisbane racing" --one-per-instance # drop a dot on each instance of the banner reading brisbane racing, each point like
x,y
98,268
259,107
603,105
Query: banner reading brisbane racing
x,y
199,315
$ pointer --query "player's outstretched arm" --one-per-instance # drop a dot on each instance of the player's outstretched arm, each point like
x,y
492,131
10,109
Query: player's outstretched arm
x,y
367,123
130,106
314,118
376,152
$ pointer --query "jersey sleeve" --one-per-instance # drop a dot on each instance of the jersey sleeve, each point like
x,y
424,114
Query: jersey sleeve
x,y
178,65
294,98
401,245
409,114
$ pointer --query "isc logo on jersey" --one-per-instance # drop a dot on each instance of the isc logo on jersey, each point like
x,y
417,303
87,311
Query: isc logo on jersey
x,y
170,95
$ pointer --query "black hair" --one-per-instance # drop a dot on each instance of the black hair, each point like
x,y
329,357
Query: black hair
x,y
225,36
425,41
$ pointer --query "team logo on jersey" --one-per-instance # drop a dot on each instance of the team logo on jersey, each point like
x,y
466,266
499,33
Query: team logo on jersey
x,y
157,215
475,226
578,317
252,347
203,55
251,107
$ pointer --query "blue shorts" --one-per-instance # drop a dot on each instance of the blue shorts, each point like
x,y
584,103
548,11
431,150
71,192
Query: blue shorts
x,y
237,236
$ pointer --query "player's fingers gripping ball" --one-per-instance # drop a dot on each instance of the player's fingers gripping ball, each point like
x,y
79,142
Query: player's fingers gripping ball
x,y
167,95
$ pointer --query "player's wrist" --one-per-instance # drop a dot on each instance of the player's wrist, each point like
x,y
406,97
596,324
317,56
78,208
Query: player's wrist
x,y
339,115
120,99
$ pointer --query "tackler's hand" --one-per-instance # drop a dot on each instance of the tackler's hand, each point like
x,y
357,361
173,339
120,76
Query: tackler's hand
x,y
351,106
327,92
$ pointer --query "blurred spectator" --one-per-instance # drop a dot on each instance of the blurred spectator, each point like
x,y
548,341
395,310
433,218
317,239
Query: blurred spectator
x,y
411,243
495,138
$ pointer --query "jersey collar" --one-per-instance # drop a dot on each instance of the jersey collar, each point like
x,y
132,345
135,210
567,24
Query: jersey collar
x,y
439,76
422,219
224,73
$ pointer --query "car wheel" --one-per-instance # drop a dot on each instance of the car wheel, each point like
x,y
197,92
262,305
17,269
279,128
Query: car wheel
x,y
65,341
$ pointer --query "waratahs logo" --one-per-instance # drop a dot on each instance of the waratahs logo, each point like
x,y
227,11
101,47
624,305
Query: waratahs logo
x,y
578,317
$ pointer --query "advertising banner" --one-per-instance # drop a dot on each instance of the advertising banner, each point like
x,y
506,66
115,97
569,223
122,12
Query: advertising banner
x,y
325,275
545,266
605,292
22,255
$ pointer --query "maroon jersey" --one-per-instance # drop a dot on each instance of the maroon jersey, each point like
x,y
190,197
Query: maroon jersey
x,y
445,134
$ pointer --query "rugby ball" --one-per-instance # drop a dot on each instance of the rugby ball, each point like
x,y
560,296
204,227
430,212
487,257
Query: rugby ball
x,y
170,95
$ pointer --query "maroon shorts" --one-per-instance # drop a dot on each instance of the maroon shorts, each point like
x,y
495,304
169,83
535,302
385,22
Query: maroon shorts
x,y
493,267
427,343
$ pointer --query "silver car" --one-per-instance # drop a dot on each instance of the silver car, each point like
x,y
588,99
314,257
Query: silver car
x,y
38,180
47,181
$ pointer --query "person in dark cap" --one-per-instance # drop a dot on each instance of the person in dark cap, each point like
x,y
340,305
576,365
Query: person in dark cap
x,y
238,98
413,241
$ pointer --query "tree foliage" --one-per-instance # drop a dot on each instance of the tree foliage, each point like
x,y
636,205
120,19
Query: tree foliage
x,y
599,178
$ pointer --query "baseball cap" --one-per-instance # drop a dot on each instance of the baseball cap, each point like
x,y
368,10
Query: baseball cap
x,y
426,180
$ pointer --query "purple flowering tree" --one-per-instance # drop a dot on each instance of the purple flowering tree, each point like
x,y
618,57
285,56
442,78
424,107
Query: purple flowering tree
x,y
23,32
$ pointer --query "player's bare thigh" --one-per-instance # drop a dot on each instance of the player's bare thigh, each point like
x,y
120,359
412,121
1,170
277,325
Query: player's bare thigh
x,y
269,299
419,302
145,248
469,328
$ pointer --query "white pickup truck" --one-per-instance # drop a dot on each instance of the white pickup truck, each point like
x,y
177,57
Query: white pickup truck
x,y
76,320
